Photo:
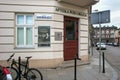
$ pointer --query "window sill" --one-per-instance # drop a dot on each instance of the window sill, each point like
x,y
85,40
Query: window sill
x,y
24,48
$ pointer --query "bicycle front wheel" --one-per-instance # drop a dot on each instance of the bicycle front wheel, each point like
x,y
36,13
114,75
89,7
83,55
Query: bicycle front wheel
x,y
34,74
13,72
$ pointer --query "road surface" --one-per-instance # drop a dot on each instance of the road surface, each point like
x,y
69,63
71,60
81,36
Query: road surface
x,y
112,55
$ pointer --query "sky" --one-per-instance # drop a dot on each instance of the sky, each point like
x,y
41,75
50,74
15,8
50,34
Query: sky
x,y
113,6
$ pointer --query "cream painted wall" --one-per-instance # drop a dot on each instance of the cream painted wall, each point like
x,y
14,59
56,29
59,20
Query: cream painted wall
x,y
6,23
6,31
4,40
8,16
8,10
83,34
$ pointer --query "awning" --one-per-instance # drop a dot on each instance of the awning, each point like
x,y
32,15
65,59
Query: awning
x,y
82,3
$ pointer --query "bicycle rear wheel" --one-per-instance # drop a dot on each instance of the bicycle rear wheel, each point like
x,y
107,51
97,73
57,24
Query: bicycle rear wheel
x,y
34,74
13,72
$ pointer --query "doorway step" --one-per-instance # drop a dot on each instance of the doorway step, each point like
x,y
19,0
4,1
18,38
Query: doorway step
x,y
70,63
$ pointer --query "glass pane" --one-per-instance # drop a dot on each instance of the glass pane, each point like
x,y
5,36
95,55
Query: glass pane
x,y
20,36
29,19
29,35
44,36
20,19
70,30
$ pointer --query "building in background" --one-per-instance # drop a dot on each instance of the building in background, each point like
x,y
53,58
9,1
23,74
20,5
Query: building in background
x,y
51,31
107,34
117,36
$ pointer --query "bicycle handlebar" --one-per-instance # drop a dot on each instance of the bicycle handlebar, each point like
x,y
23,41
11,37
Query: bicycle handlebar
x,y
10,57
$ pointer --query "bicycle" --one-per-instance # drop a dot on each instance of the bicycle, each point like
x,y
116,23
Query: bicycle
x,y
27,73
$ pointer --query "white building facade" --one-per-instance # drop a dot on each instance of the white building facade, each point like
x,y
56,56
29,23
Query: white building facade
x,y
117,36
51,31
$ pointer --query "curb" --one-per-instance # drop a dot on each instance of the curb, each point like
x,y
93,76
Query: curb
x,y
114,73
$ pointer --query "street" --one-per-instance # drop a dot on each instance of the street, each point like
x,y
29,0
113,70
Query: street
x,y
112,55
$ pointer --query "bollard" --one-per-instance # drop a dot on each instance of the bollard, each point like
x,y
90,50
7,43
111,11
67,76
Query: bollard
x,y
19,68
75,63
103,56
75,67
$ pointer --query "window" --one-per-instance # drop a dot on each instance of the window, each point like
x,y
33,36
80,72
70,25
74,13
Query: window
x,y
103,36
103,31
118,32
70,30
107,32
112,31
43,36
24,30
98,32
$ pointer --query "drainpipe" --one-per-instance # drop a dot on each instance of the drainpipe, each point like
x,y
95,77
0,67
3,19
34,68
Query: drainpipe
x,y
91,33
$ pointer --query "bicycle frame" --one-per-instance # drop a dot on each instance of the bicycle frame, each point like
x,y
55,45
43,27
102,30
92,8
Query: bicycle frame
x,y
16,66
25,66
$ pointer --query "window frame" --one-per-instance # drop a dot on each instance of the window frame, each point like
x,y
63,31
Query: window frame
x,y
25,26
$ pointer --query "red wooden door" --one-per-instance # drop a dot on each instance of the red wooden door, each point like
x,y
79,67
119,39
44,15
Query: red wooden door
x,y
70,38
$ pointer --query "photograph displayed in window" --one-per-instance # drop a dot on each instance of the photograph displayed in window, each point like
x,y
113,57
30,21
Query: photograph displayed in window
x,y
24,24
43,36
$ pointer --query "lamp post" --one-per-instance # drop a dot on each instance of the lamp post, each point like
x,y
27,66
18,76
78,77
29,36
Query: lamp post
x,y
99,17
99,22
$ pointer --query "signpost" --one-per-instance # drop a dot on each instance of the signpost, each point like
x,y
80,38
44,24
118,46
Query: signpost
x,y
100,18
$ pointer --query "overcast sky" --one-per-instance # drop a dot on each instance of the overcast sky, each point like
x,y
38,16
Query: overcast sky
x,y
113,6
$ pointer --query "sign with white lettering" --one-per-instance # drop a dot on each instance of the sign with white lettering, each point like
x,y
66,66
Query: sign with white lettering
x,y
43,16
100,17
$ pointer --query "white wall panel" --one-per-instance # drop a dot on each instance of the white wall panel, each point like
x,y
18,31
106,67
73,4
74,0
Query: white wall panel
x,y
56,30
28,2
58,25
84,21
57,17
18,8
6,48
43,23
35,31
83,46
4,15
6,31
56,41
35,55
6,56
35,39
83,27
84,33
53,47
84,40
6,40
84,52
57,47
58,55
6,23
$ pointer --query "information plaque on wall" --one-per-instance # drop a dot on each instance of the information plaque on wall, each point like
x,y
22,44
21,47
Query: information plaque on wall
x,y
58,36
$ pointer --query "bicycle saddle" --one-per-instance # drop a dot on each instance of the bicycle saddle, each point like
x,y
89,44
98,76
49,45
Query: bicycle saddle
x,y
28,57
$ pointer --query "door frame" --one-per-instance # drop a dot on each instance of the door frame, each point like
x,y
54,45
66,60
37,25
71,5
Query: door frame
x,y
76,33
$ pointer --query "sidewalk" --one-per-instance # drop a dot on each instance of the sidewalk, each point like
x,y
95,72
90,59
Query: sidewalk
x,y
84,72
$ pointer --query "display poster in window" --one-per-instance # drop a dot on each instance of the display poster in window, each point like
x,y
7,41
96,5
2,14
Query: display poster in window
x,y
43,36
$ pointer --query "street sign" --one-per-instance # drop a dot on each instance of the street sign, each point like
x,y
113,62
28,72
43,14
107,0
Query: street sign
x,y
100,17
